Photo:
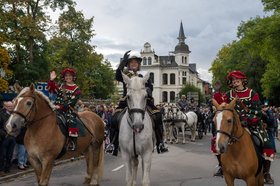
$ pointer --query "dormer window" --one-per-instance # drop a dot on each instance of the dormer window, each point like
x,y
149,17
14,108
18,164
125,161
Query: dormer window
x,y
144,61
149,61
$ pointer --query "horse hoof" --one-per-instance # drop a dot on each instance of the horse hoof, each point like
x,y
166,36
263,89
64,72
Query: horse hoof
x,y
192,140
86,181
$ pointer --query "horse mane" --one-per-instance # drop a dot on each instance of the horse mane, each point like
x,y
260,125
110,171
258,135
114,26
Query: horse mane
x,y
40,94
137,83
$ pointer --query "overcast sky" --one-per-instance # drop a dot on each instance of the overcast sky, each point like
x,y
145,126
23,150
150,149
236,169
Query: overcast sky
x,y
121,25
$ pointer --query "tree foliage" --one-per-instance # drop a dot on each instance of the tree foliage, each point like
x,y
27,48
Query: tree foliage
x,y
256,53
34,45
191,88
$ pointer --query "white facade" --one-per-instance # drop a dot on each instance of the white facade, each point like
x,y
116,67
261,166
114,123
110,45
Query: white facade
x,y
170,73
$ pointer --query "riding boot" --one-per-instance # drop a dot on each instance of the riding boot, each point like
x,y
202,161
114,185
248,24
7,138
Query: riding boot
x,y
267,176
114,135
116,144
72,145
159,133
220,170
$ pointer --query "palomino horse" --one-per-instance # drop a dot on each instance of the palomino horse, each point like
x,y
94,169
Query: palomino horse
x,y
182,120
136,136
44,140
238,155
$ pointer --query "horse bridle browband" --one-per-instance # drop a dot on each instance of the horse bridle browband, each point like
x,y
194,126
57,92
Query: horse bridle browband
x,y
231,136
25,117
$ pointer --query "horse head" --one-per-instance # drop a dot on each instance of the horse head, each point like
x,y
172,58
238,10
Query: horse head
x,y
226,121
25,111
136,101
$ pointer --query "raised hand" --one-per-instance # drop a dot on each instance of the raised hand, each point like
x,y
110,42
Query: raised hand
x,y
52,75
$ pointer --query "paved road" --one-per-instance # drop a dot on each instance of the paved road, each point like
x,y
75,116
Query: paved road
x,y
184,165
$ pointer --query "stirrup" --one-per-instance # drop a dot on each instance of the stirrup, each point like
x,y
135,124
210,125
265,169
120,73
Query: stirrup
x,y
110,149
72,146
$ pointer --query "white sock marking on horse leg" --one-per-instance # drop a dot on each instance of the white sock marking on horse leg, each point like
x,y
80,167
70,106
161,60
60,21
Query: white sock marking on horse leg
x,y
218,121
118,168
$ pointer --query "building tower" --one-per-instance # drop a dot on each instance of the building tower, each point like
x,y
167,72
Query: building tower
x,y
182,49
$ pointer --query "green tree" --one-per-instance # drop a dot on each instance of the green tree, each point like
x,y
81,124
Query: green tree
x,y
70,47
191,88
23,26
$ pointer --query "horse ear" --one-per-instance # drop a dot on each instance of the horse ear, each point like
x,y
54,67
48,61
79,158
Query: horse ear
x,y
126,79
215,103
146,77
233,103
17,87
32,87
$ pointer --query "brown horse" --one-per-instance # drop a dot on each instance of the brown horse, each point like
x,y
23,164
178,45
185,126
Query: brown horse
x,y
238,155
44,140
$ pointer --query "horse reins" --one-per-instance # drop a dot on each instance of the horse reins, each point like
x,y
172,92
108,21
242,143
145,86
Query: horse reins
x,y
232,138
130,112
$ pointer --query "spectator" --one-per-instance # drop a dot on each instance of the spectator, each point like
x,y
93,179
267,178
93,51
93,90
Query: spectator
x,y
7,142
22,153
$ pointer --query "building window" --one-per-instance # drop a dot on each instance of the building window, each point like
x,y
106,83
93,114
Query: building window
x,y
144,61
184,81
172,97
164,79
172,79
182,59
149,61
164,96
152,78
186,60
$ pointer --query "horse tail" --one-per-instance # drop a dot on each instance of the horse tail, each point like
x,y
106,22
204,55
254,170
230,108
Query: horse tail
x,y
101,161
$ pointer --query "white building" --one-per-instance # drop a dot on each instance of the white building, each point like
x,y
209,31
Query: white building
x,y
170,73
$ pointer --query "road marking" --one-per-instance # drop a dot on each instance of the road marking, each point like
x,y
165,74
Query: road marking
x,y
118,168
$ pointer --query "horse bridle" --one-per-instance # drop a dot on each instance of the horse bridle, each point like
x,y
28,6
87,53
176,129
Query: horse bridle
x,y
27,116
232,137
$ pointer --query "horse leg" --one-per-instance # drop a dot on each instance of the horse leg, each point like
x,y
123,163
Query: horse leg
x,y
128,177
193,131
177,131
164,132
251,181
183,133
88,157
134,163
229,180
37,166
146,168
97,163
260,179
47,165
171,134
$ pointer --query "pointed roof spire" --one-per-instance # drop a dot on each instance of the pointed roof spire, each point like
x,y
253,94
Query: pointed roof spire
x,y
181,47
181,36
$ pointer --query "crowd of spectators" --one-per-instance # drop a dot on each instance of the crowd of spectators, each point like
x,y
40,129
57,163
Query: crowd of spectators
x,y
12,148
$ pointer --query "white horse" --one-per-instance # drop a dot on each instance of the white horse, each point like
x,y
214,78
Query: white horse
x,y
136,136
167,121
183,120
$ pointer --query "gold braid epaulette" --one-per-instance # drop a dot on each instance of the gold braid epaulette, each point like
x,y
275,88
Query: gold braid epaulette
x,y
128,73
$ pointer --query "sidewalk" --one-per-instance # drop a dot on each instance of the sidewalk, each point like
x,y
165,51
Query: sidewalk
x,y
15,172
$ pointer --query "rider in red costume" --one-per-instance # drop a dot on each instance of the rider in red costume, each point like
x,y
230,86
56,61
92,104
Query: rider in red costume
x,y
67,97
249,110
